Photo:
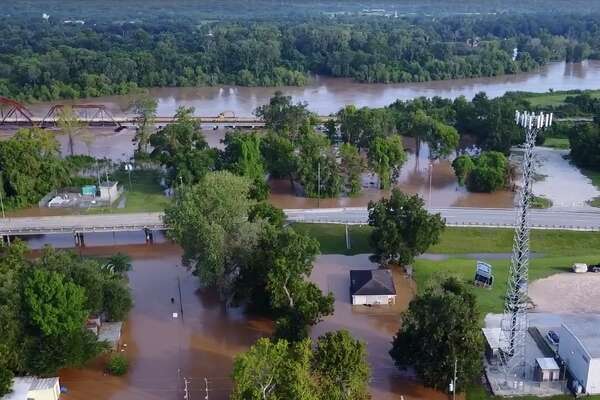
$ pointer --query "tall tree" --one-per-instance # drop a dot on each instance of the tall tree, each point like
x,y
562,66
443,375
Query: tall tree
x,y
441,328
144,107
284,117
273,370
403,228
386,156
242,155
318,170
279,155
352,166
340,362
55,306
45,170
69,124
210,221
182,149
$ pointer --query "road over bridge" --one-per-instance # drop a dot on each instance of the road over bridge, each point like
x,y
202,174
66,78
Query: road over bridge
x,y
567,219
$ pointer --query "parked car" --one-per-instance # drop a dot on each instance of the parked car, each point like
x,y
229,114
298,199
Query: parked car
x,y
553,337
594,268
579,268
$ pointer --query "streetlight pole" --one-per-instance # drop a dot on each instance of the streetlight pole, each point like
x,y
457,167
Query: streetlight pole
x,y
454,380
430,179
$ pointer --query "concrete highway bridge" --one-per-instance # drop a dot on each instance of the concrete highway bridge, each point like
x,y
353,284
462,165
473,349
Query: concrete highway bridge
x,y
78,225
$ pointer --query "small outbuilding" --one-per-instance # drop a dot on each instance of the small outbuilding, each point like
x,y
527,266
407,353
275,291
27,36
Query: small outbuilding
x,y
371,287
109,191
33,388
546,370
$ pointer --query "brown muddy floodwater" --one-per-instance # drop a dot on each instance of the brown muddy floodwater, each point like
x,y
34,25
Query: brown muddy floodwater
x,y
203,341
328,95
376,326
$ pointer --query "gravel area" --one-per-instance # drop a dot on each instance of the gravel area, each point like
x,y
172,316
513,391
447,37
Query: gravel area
x,y
567,293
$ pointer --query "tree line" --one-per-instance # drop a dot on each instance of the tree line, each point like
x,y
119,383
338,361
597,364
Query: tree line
x,y
44,306
36,60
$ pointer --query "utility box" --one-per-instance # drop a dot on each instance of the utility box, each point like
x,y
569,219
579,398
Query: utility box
x,y
483,275
579,268
88,190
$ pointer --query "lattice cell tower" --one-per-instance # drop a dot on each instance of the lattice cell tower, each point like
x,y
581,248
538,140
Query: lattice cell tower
x,y
514,321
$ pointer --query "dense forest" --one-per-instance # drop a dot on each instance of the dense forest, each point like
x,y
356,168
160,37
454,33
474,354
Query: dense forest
x,y
47,59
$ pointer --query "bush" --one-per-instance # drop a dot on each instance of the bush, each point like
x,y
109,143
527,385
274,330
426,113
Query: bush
x,y
117,365
484,173
6,378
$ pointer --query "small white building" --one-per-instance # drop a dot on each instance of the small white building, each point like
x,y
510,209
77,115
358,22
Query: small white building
x,y
579,348
109,191
546,370
370,287
33,388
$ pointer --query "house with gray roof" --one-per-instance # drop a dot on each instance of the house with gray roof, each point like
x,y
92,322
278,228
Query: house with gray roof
x,y
370,287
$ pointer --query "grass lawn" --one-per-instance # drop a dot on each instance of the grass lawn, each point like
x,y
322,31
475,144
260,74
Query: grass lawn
x,y
479,393
557,143
556,252
144,195
540,202
595,177
554,98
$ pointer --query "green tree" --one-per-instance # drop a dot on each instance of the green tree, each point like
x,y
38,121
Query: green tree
x,y
585,146
386,156
340,362
318,170
118,264
486,172
279,155
242,155
441,327
54,306
117,365
352,166
117,300
69,124
403,228
6,379
442,141
144,108
182,149
273,370
210,221
265,211
285,117
46,171
463,165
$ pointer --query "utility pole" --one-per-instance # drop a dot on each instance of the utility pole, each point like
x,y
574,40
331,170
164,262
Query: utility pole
x,y
454,380
319,184
430,178
206,388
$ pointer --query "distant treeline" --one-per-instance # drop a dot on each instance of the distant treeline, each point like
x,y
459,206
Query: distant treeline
x,y
48,60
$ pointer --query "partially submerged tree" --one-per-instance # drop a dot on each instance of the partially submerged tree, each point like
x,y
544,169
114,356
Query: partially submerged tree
x,y
441,328
386,156
403,228
69,124
144,108
182,149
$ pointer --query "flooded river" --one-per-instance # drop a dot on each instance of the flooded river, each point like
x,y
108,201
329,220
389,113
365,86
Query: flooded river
x,y
327,95
202,342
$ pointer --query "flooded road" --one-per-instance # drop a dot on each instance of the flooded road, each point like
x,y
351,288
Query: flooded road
x,y
203,340
327,95
200,343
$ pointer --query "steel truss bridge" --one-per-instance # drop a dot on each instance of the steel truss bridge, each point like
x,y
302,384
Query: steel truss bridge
x,y
16,114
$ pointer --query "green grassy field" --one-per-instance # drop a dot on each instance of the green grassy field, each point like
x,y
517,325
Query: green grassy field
x,y
555,251
144,195
553,98
479,393
557,143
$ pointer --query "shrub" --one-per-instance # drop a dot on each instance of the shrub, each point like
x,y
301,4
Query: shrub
x,y
117,365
